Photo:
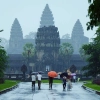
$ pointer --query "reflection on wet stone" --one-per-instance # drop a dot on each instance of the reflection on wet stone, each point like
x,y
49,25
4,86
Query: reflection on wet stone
x,y
24,92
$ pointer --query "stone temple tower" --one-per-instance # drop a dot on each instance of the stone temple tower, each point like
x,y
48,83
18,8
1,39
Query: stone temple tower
x,y
78,38
16,38
47,17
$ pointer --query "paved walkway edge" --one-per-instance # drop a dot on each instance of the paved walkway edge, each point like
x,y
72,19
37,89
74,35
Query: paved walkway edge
x,y
91,90
8,89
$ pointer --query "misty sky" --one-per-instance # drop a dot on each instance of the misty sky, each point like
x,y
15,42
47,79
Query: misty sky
x,y
28,12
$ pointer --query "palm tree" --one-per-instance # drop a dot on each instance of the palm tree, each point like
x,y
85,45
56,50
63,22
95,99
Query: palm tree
x,y
66,50
29,51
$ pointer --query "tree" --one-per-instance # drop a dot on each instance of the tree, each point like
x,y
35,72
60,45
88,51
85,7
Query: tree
x,y
93,50
66,50
1,30
82,54
93,13
3,62
4,43
29,51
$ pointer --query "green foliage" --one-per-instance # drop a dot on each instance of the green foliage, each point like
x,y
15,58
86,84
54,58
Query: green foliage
x,y
65,52
93,13
8,84
92,86
29,50
66,49
1,30
93,49
3,61
83,55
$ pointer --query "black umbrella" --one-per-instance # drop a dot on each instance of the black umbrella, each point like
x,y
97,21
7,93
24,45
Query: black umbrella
x,y
64,74
41,72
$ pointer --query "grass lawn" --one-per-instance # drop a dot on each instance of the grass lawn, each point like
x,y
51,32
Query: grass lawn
x,y
8,84
92,86
54,81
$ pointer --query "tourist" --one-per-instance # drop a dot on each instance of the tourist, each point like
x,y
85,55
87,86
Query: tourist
x,y
50,82
69,84
39,77
33,81
64,83
74,78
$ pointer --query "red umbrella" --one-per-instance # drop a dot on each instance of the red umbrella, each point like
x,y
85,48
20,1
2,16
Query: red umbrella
x,y
52,74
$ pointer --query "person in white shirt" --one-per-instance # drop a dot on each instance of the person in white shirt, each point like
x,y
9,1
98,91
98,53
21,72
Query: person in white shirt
x,y
33,81
74,78
39,77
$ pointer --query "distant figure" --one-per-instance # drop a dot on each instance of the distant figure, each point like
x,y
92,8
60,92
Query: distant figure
x,y
33,81
78,79
39,77
64,83
50,82
74,78
69,84
59,76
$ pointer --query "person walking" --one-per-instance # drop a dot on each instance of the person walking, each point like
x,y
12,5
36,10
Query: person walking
x,y
33,81
74,78
69,84
50,82
64,83
39,77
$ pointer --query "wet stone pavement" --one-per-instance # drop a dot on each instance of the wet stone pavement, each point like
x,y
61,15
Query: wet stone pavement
x,y
24,92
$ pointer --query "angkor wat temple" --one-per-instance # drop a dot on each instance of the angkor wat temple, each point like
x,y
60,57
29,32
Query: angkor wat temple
x,y
16,41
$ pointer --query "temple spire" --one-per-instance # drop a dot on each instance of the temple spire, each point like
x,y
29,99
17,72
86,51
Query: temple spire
x,y
47,17
77,29
16,29
16,38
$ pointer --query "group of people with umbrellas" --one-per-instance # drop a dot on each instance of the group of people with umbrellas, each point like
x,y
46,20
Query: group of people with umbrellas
x,y
64,76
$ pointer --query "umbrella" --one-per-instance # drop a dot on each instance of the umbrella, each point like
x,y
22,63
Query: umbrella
x,y
52,74
34,73
41,72
59,73
64,74
73,74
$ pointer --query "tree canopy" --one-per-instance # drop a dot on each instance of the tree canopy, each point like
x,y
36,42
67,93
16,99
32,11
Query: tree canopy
x,y
66,49
29,50
93,14
93,50
3,61
82,54
65,52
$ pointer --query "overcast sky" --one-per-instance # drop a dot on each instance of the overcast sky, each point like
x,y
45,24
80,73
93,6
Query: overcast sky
x,y
28,12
